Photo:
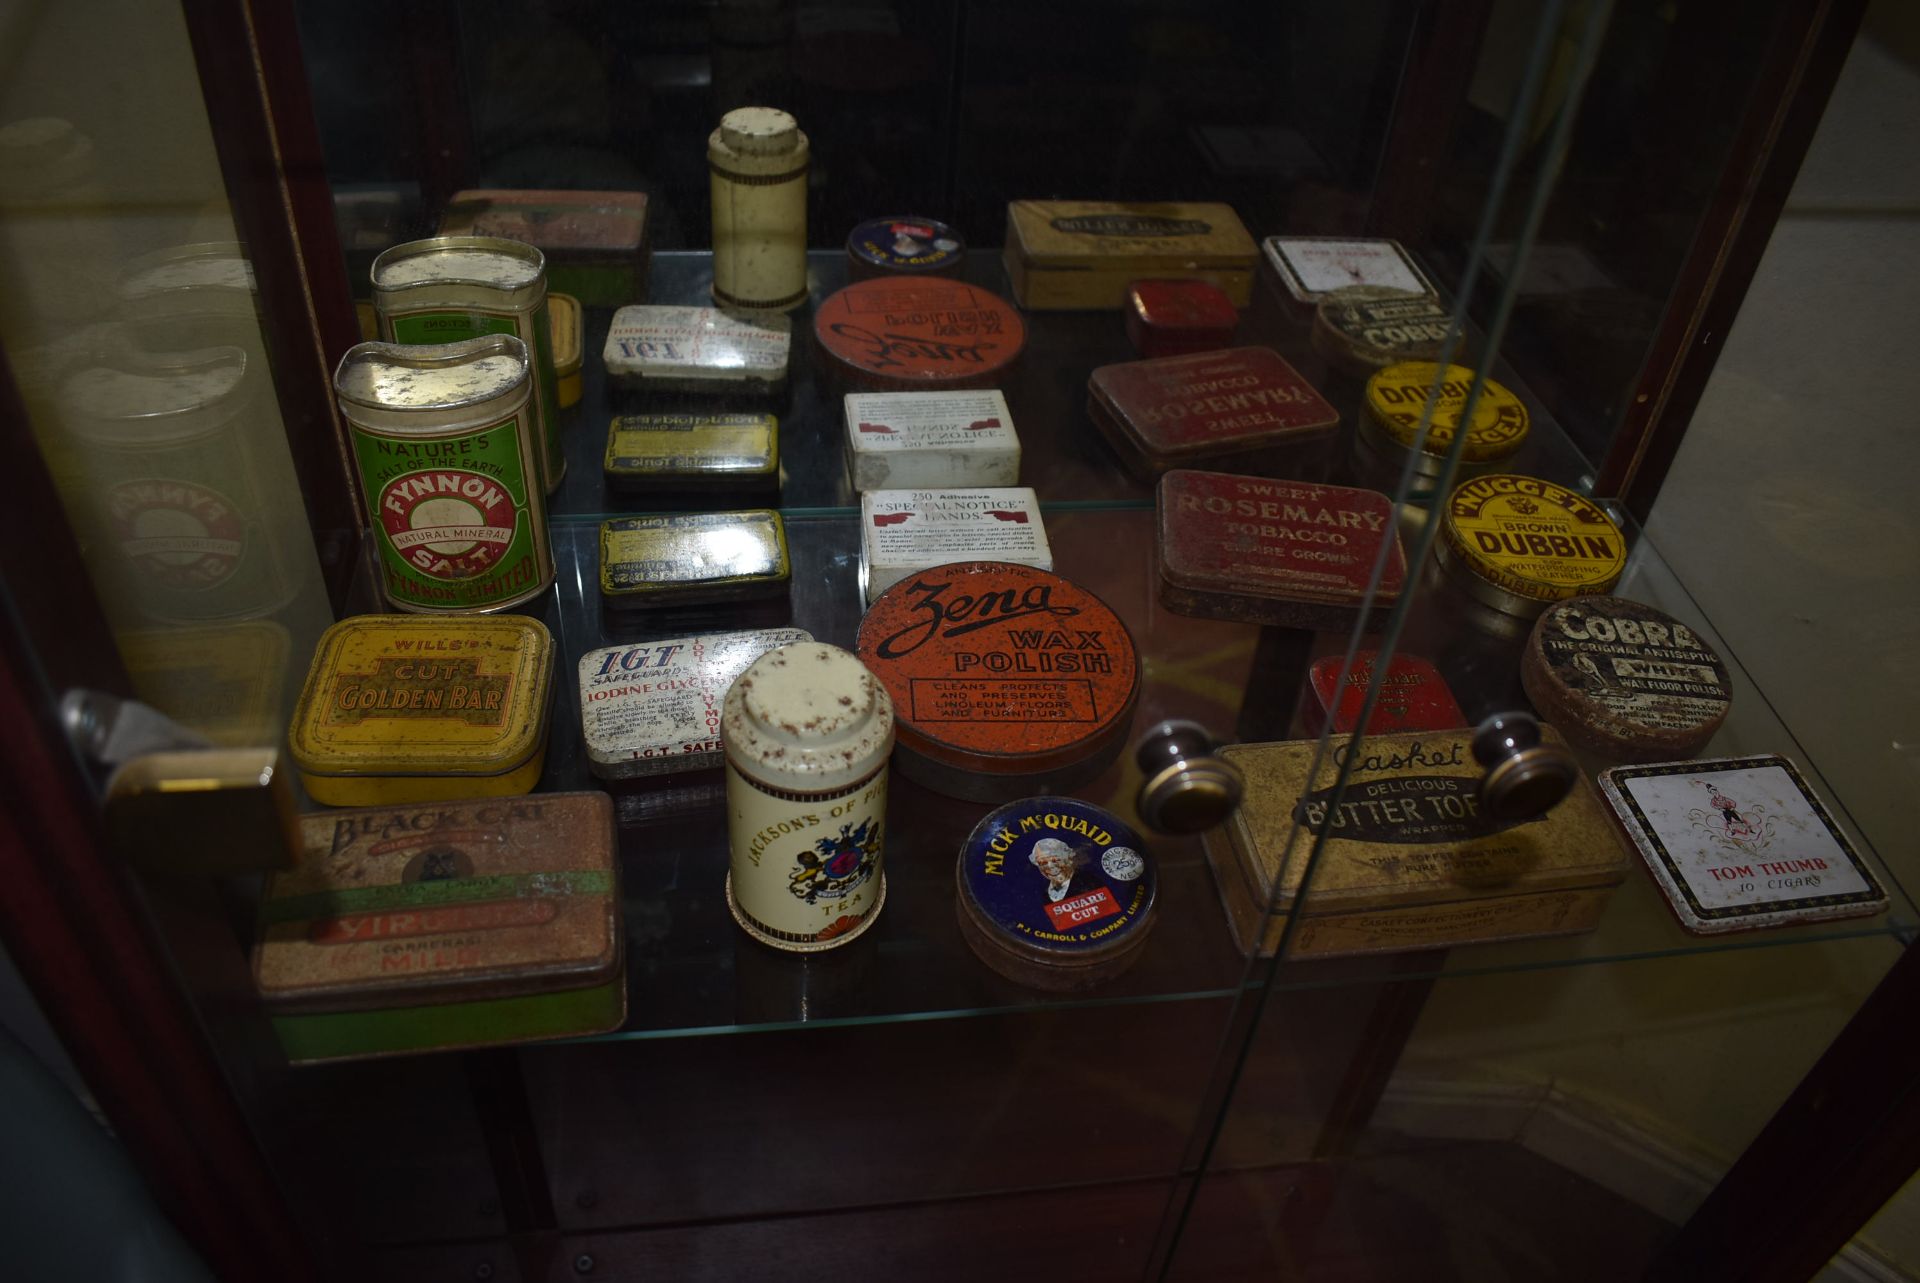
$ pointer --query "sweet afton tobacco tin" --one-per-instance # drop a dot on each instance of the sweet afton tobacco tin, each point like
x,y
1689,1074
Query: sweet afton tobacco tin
x,y
675,453
401,708
654,707
1740,842
1273,552
1068,254
1362,330
465,924
698,349
1519,544
1007,680
1397,396
904,246
692,559
896,334
925,440
1413,696
1625,680
1055,892
909,532
1244,407
1168,318
1312,268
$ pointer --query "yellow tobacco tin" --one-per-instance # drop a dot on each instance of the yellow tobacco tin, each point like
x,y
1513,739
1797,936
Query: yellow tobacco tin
x,y
1397,394
695,559
563,312
1519,544
411,708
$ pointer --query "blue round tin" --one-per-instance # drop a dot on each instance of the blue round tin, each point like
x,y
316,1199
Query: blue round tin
x,y
915,246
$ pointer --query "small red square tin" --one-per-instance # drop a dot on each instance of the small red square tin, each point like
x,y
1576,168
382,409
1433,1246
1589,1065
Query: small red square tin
x,y
1414,697
1168,318
1242,409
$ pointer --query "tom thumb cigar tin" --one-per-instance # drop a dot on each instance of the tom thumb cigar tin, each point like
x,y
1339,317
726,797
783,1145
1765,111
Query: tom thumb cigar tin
x,y
1244,409
401,708
1413,696
1312,268
677,453
698,349
408,929
1519,544
693,559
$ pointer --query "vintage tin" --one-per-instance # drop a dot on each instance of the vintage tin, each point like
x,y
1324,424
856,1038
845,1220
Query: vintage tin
x,y
470,924
1738,843
904,247
907,532
1409,861
1064,255
653,708
1367,328
1241,410
1274,552
901,334
1169,318
807,731
929,440
704,453
564,311
693,559
1519,544
401,708
1624,680
1413,696
1055,893
1389,424
188,297
595,242
698,349
757,177
223,680
1309,269
450,288
1008,681
447,463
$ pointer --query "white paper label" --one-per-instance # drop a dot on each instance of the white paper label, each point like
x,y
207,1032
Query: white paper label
x,y
906,531
1313,266
655,706
702,342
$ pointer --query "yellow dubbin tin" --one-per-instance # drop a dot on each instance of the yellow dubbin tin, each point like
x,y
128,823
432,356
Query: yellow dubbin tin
x,y
1519,544
1395,398
409,708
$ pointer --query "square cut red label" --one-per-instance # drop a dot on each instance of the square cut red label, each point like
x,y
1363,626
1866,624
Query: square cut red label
x,y
1082,909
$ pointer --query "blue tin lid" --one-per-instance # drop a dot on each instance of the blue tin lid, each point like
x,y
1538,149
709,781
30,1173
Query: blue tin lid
x,y
1057,875
906,244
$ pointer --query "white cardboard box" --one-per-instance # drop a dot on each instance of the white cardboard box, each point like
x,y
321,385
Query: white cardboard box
x,y
930,440
905,532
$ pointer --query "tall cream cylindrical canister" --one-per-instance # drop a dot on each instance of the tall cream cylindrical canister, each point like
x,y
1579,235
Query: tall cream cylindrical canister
x,y
807,731
757,160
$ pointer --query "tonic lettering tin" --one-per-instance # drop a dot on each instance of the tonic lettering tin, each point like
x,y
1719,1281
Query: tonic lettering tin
x,y
905,247
1519,544
1313,268
916,334
1083,254
1243,409
1624,680
693,559
678,453
1361,330
1288,553
654,708
595,242
909,532
446,459
410,929
1409,861
1168,318
1055,893
927,440
564,310
1413,696
1395,399
1008,681
698,349
450,288
403,708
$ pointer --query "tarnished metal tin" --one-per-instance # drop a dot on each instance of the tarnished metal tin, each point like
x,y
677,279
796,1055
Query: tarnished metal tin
x,y
1078,254
654,707
401,708
1519,544
897,334
1395,399
1413,696
692,559
1313,268
595,242
698,349
564,311
930,440
1008,681
465,924
1244,409
1170,318
909,532
676,453
1055,892
1366,328
904,247
447,463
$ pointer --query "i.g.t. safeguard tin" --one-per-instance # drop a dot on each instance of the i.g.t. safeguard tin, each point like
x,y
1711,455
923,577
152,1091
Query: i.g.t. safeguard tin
x,y
443,445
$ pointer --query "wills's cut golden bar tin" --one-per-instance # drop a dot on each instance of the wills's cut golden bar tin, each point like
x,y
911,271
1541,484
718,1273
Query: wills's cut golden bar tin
x,y
1083,254
1519,544
402,708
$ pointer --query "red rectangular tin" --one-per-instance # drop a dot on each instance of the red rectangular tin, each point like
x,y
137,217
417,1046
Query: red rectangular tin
x,y
1169,318
1243,409
1414,697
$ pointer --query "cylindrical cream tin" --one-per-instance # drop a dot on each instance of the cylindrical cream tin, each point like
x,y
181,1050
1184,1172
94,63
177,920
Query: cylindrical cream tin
x,y
449,288
807,731
1390,423
757,160
1519,544
444,449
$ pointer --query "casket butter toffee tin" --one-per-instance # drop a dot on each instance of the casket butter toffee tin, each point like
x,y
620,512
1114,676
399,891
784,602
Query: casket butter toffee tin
x,y
1361,330
677,453
1395,399
1413,696
906,247
1008,681
400,708
916,334
1244,409
1055,893
695,559
929,440
909,532
1624,680
408,929
1519,544
698,349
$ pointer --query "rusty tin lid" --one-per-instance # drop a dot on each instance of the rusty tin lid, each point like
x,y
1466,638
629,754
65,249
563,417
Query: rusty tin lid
x,y
1519,544
1187,408
918,334
1413,697
807,717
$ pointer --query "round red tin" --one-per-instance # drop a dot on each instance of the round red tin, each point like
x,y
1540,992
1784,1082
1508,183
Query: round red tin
x,y
894,334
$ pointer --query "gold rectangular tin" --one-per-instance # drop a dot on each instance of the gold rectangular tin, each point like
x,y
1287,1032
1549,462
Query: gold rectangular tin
x,y
567,357
680,452
1074,254
692,559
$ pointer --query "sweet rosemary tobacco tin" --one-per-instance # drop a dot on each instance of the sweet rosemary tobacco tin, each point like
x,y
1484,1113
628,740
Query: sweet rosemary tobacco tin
x,y
402,708
901,334
654,707
595,242
904,247
465,924
445,451
1055,892
1413,696
1390,423
677,453
1241,409
698,349
909,532
564,312
1169,318
1274,552
450,288
1624,680
1519,544
1079,254
926,440
1008,681
1740,842
693,559
1312,268
1409,861
1361,330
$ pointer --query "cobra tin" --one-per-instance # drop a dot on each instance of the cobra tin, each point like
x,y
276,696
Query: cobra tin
x,y
448,288
1390,422
443,446
1519,544
1362,329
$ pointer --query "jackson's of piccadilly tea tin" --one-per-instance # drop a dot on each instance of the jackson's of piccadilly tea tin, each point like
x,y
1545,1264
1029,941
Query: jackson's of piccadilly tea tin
x,y
1519,544
446,459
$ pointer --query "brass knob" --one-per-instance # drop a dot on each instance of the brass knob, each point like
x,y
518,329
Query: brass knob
x,y
1525,777
1187,788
